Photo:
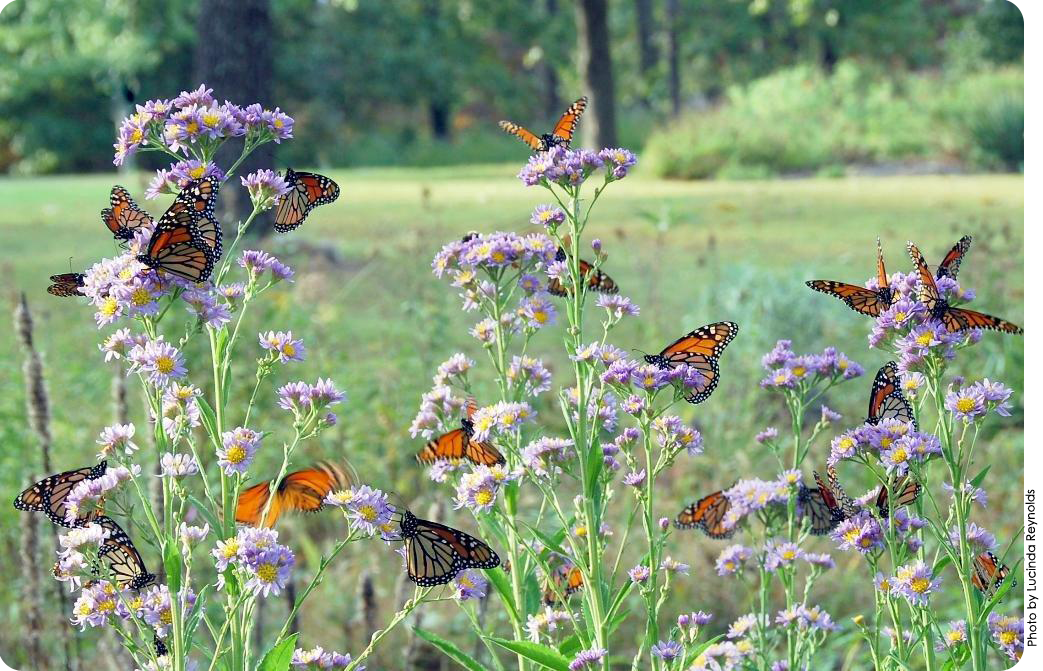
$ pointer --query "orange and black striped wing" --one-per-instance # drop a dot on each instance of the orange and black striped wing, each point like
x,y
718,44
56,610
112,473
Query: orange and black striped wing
x,y
815,508
179,253
950,265
928,290
123,216
66,285
596,279
708,514
118,551
959,319
483,454
860,299
886,400
450,446
907,491
566,126
567,579
308,190
881,271
989,573
699,349
306,490
435,553
523,134
251,502
208,230
48,495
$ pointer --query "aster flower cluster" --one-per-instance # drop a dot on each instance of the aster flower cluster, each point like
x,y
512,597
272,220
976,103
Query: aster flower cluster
x,y
317,658
492,253
971,403
501,418
439,408
310,400
478,488
569,168
263,565
367,509
95,489
788,370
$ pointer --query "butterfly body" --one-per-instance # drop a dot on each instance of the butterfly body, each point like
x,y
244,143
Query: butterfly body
x,y
459,444
906,491
707,514
840,505
187,239
594,279
66,284
435,553
701,350
560,136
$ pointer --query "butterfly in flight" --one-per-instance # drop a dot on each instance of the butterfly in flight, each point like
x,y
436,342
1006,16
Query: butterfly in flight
x,y
187,239
459,444
950,265
870,302
66,284
49,495
839,504
953,319
886,400
307,191
595,279
303,491
126,566
708,514
989,573
435,553
565,580
813,506
700,349
123,217
561,135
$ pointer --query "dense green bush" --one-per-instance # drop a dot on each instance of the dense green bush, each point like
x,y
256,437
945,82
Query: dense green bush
x,y
803,120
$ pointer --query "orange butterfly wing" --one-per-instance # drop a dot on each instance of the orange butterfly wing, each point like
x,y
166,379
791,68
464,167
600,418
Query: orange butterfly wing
x,y
66,285
524,134
989,573
566,125
302,491
123,216
860,299
960,319
700,349
251,502
708,514
308,190
950,265
881,272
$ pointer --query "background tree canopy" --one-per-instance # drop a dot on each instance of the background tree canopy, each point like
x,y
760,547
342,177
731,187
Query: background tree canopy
x,y
422,82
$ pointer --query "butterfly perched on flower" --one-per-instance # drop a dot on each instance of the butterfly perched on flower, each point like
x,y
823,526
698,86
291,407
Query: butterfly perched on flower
x,y
707,514
187,239
813,506
950,265
701,350
48,496
125,564
870,302
561,135
840,505
123,217
564,580
886,400
460,444
989,573
302,491
906,491
308,190
435,553
594,278
66,284
953,319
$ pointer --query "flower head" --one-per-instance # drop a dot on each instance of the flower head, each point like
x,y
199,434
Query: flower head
x,y
237,450
265,187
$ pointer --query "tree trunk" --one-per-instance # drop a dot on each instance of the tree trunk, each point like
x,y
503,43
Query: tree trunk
x,y
646,47
595,65
233,56
673,15
439,114
552,105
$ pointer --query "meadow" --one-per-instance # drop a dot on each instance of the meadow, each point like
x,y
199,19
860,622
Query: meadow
x,y
376,320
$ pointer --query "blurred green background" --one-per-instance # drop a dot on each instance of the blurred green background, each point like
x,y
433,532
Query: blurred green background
x,y
822,123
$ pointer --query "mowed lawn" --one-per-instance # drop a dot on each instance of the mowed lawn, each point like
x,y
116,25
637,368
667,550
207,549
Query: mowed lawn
x,y
376,320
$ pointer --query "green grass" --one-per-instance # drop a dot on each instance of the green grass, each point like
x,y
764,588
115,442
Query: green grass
x,y
376,320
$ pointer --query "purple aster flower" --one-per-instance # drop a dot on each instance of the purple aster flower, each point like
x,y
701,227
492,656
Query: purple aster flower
x,y
96,605
976,494
237,450
502,417
538,311
269,571
742,626
667,650
967,404
542,455
470,584
477,490
861,532
117,345
819,560
732,559
781,554
978,538
265,187
639,574
587,659
547,215
815,618
830,416
916,583
529,283
781,378
368,509
200,96
283,345
780,355
619,160
117,438
279,123
635,479
953,636
318,659
884,583
1009,633
671,565
996,395
529,374
177,465
768,434
542,167
617,306
159,361
295,396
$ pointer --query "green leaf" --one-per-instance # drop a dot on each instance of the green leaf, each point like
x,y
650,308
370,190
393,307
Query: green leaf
x,y
980,477
207,514
570,646
693,655
172,565
549,541
541,654
450,650
209,419
279,655
499,580
942,562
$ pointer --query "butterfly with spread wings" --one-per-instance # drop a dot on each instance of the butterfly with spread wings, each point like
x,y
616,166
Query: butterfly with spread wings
x,y
308,190
123,217
460,444
707,514
48,496
435,553
595,279
989,573
66,284
561,135
567,580
187,239
950,265
125,564
840,505
869,302
906,490
813,506
886,400
701,350
302,491
953,319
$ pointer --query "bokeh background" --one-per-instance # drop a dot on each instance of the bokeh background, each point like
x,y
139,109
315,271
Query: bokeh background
x,y
776,138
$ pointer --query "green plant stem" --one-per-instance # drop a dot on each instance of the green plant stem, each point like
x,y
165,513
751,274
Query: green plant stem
x,y
418,598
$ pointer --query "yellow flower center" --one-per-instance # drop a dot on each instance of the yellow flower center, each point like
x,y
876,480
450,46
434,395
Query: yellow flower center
x,y
197,172
924,339
541,316
619,157
842,364
580,531
649,380
899,456
1008,637
137,603
484,497
465,581
106,606
900,316
289,350
83,609
165,365
744,645
267,572
166,617
235,454
137,136
920,585
499,256
484,423
141,296
231,549
730,565
126,274
955,636
192,127
885,585
965,405
885,443
368,512
846,443
509,419
277,123
780,378
866,542
211,119
789,554
109,307
699,662
799,371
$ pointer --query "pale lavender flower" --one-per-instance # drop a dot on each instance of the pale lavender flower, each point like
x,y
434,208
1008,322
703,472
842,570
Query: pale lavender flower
x,y
538,311
484,331
265,187
529,374
269,571
861,532
157,360
672,434
117,345
635,479
237,450
93,489
318,659
200,96
667,650
117,438
955,635
830,416
283,345
916,583
503,417
976,494
587,659
617,306
781,554
742,626
1009,634
967,404
639,574
455,366
96,605
996,395
732,559
619,160
978,538
367,508
470,584
174,465
819,560
768,434
543,455
547,215
192,535
671,565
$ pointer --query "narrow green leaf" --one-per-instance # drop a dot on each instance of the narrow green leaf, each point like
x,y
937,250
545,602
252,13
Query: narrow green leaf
x,y
279,655
208,418
541,654
942,562
207,514
693,655
450,650
570,646
980,477
172,565
548,541
499,580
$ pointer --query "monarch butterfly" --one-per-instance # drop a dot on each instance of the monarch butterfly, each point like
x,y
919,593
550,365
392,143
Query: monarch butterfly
x,y
66,284
180,245
161,647
595,279
457,444
870,302
125,562
123,216
307,191
700,349
567,579
989,573
48,495
561,135
953,319
814,506
303,490
435,553
840,505
906,491
708,514
950,265
886,400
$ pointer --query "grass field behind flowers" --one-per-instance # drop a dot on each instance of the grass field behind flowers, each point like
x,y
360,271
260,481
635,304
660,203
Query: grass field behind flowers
x,y
376,320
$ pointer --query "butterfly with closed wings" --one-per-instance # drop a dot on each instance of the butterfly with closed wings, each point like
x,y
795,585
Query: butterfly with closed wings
x,y
840,505
308,190
48,496
950,265
560,136
699,349
126,567
953,319
187,239
66,285
707,514
595,279
989,573
565,580
301,491
123,217
869,302
812,506
886,400
459,444
435,553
